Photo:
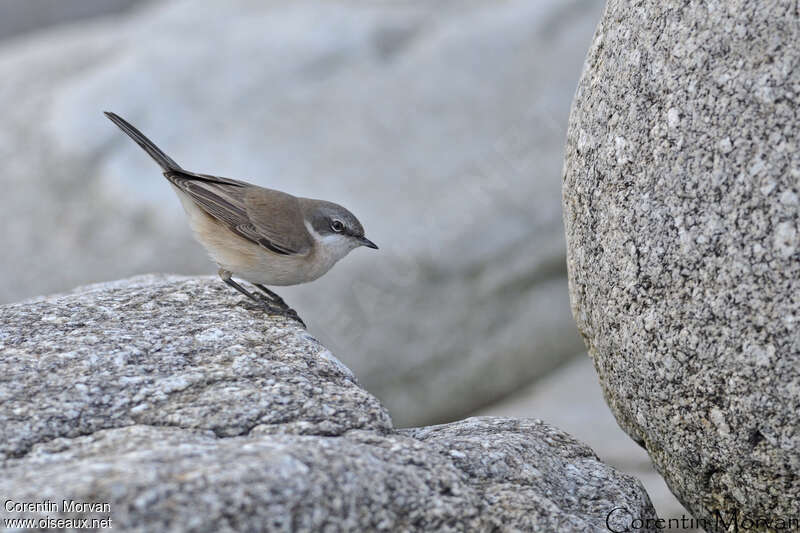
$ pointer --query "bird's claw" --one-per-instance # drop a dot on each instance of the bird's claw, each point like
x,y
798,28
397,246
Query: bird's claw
x,y
281,310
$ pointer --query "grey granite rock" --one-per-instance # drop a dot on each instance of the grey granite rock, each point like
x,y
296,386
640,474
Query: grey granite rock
x,y
681,187
183,411
571,399
440,125
166,351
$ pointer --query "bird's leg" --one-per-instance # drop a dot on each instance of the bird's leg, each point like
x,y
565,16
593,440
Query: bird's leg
x,y
226,277
272,296
277,300
278,308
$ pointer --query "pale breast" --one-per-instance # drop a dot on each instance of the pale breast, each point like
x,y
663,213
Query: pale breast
x,y
243,258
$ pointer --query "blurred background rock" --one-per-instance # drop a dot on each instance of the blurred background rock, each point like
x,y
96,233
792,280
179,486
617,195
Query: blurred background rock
x,y
441,125
18,17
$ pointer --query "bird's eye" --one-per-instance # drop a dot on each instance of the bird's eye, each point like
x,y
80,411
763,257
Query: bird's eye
x,y
337,226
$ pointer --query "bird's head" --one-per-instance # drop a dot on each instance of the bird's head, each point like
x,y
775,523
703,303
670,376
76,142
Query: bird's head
x,y
336,227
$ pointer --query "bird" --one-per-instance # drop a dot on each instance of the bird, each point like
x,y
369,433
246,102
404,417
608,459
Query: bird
x,y
263,236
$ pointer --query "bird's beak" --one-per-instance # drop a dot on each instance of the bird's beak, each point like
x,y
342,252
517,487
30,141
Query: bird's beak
x,y
368,243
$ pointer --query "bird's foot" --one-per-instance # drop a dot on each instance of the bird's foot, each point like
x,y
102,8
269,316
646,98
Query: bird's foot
x,y
280,309
269,301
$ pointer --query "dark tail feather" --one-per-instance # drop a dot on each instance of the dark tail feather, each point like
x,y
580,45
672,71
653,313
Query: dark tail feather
x,y
165,161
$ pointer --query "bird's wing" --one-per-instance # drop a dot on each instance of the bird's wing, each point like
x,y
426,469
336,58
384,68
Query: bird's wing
x,y
270,219
277,216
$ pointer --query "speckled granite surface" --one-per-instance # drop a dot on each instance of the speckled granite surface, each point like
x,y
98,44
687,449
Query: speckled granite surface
x,y
681,186
185,410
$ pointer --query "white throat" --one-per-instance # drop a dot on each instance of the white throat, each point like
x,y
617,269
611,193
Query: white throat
x,y
330,248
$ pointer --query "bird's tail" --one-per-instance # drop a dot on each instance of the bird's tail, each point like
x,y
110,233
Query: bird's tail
x,y
164,161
